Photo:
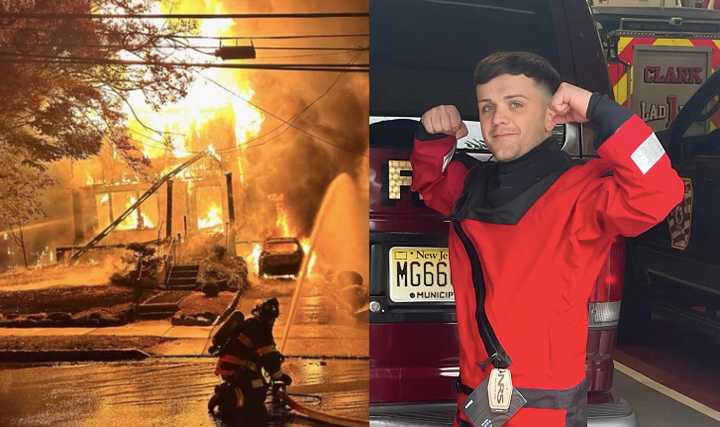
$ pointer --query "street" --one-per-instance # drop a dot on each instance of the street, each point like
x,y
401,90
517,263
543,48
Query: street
x,y
155,392
327,359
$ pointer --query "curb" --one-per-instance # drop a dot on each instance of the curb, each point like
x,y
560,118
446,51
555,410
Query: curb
x,y
35,356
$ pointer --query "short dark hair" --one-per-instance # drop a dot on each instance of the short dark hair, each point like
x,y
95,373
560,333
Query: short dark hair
x,y
515,63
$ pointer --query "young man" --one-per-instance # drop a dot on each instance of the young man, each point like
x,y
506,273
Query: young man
x,y
531,231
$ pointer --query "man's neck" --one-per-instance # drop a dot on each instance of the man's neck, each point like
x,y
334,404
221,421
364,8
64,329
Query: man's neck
x,y
536,153
515,177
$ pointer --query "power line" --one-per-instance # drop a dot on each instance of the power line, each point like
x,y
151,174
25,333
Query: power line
x,y
362,48
252,142
88,59
151,140
183,46
281,37
289,123
286,122
362,68
201,37
185,15
292,119
306,55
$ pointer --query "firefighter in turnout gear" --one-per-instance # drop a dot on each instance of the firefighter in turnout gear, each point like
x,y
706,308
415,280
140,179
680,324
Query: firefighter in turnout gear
x,y
246,348
530,232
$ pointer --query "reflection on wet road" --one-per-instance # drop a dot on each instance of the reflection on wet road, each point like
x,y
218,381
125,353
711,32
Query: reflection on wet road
x,y
160,392
327,348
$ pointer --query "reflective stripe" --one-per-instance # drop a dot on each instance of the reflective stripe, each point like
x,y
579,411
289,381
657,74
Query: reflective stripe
x,y
262,351
647,154
223,371
230,359
239,398
245,340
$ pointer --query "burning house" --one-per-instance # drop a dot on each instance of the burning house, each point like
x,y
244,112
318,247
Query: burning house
x,y
275,141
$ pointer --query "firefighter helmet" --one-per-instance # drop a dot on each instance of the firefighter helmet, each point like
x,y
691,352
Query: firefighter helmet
x,y
268,309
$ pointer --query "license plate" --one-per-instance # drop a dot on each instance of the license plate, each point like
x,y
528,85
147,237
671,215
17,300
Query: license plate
x,y
420,274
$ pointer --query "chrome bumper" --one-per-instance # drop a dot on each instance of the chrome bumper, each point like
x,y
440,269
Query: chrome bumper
x,y
617,414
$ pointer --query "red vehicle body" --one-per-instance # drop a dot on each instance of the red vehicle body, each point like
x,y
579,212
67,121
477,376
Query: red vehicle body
x,y
417,63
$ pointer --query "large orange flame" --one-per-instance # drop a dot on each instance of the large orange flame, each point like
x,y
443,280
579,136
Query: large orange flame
x,y
132,222
254,257
213,218
282,223
215,94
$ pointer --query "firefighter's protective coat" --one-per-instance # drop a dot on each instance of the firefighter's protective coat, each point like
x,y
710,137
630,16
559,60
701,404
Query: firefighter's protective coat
x,y
540,255
250,348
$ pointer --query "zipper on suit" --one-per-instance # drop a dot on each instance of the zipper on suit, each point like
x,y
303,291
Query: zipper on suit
x,y
497,355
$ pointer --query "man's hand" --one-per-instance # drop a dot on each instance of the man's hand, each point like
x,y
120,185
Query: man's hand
x,y
444,119
570,104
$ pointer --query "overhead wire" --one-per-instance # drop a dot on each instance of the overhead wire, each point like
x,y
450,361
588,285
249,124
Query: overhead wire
x,y
183,46
11,57
239,37
151,16
287,123
306,55
275,37
290,121
151,140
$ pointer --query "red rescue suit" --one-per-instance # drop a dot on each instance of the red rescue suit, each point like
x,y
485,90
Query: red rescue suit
x,y
539,257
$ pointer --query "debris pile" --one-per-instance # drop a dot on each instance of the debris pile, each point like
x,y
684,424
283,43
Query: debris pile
x,y
221,271
141,268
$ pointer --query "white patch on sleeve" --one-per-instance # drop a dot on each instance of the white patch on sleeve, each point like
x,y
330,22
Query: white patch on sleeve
x,y
447,158
647,154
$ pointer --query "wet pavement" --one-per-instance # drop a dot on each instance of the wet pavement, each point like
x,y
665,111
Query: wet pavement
x,y
161,392
327,352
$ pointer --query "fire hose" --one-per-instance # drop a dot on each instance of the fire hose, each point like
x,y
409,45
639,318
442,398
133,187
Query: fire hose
x,y
316,415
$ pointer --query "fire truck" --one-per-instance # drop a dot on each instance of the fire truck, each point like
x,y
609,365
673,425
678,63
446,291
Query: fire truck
x,y
422,55
663,64
658,57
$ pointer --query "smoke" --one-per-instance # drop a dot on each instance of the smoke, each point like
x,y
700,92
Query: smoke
x,y
95,273
300,164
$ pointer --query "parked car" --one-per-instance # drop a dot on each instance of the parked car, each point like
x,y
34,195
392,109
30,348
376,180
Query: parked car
x,y
422,54
674,266
280,257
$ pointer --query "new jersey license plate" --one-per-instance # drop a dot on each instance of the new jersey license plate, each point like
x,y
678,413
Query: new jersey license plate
x,y
420,274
